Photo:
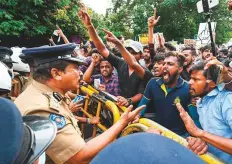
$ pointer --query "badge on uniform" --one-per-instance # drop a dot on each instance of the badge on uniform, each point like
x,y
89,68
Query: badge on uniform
x,y
58,120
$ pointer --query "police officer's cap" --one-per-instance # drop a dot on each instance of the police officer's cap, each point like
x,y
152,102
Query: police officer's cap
x,y
5,55
47,54
146,148
23,139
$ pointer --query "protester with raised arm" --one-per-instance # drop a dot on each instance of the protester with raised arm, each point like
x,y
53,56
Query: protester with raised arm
x,y
131,85
214,109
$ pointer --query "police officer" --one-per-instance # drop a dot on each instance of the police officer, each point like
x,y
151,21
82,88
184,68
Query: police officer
x,y
22,139
5,57
5,80
55,73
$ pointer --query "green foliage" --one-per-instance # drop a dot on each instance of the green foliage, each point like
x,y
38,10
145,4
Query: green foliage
x,y
39,17
179,18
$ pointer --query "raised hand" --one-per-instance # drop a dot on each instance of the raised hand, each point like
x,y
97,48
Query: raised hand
x,y
188,122
224,71
84,16
96,58
110,37
152,21
59,31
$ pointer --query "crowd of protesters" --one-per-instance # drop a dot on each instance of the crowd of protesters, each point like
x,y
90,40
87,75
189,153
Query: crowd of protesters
x,y
188,90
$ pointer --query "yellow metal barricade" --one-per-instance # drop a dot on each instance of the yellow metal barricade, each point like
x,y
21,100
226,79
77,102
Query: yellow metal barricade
x,y
144,124
112,107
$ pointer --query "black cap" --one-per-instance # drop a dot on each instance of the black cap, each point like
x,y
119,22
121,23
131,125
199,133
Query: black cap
x,y
146,148
23,140
5,55
46,54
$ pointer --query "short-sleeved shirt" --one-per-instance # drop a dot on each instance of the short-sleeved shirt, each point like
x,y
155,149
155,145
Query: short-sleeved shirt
x,y
39,99
215,114
129,85
163,101
112,85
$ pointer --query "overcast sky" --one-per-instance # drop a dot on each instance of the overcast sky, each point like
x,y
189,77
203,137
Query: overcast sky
x,y
99,6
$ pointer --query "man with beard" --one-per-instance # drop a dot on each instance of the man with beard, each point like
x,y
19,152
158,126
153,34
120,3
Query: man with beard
x,y
131,85
164,91
215,112
109,82
147,58
207,54
190,54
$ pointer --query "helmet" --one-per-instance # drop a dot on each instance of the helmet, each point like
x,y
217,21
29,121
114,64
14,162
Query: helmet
x,y
5,55
19,66
22,138
5,78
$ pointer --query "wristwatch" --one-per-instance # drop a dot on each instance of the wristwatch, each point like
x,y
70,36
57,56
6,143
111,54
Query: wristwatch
x,y
130,101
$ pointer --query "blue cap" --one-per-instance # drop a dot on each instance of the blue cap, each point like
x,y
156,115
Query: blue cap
x,y
22,139
11,131
47,54
146,148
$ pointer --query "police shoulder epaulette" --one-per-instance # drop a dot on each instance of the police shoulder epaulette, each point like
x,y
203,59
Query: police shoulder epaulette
x,y
54,101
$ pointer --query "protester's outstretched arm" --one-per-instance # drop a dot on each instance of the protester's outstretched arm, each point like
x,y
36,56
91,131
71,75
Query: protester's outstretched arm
x,y
86,20
88,73
130,60
94,146
152,21
61,34
222,143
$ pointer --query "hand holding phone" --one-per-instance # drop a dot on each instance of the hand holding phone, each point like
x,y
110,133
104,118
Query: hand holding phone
x,y
79,98
97,83
214,73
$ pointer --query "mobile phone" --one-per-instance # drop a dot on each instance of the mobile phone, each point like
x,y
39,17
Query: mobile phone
x,y
97,82
55,33
214,73
79,98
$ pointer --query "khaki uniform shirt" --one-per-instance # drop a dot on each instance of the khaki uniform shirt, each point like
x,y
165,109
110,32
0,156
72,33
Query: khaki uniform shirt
x,y
39,99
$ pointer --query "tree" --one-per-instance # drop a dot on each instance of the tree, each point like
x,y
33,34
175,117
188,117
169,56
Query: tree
x,y
39,17
179,18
